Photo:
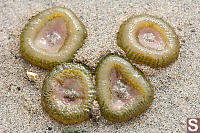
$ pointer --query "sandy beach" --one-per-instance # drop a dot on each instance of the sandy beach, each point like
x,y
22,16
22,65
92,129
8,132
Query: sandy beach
x,y
177,87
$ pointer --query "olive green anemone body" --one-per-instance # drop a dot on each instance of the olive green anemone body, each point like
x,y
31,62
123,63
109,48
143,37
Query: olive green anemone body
x,y
122,90
51,37
68,93
161,46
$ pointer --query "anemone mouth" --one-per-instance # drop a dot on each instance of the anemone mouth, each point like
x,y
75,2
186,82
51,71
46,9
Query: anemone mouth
x,y
123,91
68,92
151,38
52,36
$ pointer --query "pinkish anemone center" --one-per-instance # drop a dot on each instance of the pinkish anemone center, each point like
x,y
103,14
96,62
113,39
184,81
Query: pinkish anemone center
x,y
151,38
70,91
52,36
122,91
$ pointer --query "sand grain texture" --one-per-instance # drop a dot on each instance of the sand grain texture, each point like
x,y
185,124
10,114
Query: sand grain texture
x,y
177,87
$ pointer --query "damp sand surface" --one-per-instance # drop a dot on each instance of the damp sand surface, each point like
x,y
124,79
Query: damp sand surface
x,y
177,87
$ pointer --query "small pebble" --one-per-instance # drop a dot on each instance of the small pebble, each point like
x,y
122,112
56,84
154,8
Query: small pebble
x,y
31,75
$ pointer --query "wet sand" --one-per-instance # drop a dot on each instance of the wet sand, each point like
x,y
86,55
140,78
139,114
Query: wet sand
x,y
177,87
